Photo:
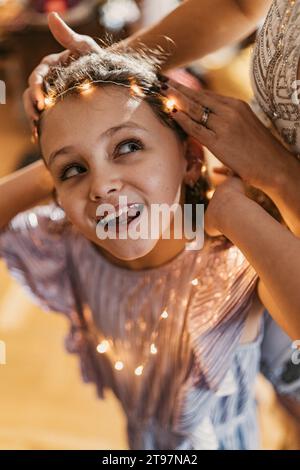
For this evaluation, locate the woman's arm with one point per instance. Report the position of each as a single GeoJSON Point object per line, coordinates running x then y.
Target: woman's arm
{"type": "Point", "coordinates": [236, 137]}
{"type": "Point", "coordinates": [197, 28]}
{"type": "Point", "coordinates": [283, 187]}
{"type": "Point", "coordinates": [271, 249]}
{"type": "Point", "coordinates": [23, 189]}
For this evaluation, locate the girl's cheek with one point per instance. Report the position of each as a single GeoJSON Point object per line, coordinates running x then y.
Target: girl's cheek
{"type": "Point", "coordinates": [68, 202]}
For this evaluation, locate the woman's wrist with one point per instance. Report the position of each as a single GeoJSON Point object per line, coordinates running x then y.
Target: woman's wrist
{"type": "Point", "coordinates": [287, 177]}
{"type": "Point", "coordinates": [281, 185]}
{"type": "Point", "coordinates": [280, 171]}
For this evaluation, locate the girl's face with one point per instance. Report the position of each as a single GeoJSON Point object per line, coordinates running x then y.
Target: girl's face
{"type": "Point", "coordinates": [106, 144]}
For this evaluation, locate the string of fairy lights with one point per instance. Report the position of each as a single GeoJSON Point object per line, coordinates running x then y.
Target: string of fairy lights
{"type": "Point", "coordinates": [106, 345]}
{"type": "Point", "coordinates": [87, 87]}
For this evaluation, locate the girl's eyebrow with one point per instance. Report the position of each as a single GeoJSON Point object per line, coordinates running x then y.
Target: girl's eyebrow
{"type": "Point", "coordinates": [108, 133]}
{"type": "Point", "coordinates": [125, 125]}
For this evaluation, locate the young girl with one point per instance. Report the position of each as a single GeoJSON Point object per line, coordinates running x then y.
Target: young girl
{"type": "Point", "coordinates": [173, 331]}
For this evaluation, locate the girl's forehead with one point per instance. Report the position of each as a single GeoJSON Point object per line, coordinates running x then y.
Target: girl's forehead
{"type": "Point", "coordinates": [106, 99]}
{"type": "Point", "coordinates": [104, 106]}
{"type": "Point", "coordinates": [82, 119]}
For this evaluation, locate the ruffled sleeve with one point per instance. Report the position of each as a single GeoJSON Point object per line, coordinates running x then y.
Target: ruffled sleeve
{"type": "Point", "coordinates": [220, 304]}
{"type": "Point", "coordinates": [33, 248]}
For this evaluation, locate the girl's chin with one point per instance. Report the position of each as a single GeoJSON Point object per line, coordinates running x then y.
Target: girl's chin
{"type": "Point", "coordinates": [128, 250]}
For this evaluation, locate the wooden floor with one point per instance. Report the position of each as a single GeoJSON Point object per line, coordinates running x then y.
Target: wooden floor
{"type": "Point", "coordinates": [43, 403]}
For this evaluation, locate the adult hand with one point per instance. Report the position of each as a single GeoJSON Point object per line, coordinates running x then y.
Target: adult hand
{"type": "Point", "coordinates": [232, 133]}
{"type": "Point", "coordinates": [75, 44]}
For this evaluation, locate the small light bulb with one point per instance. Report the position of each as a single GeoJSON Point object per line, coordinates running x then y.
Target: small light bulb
{"type": "Point", "coordinates": [119, 365]}
{"type": "Point", "coordinates": [137, 90]}
{"type": "Point", "coordinates": [164, 314]}
{"type": "Point", "coordinates": [195, 282]}
{"type": "Point", "coordinates": [85, 87]}
{"type": "Point", "coordinates": [103, 346]}
{"type": "Point", "coordinates": [170, 104]}
{"type": "Point", "coordinates": [49, 101]}
{"type": "Point", "coordinates": [139, 370]}
{"type": "Point", "coordinates": [153, 349]}
{"type": "Point", "coordinates": [210, 193]}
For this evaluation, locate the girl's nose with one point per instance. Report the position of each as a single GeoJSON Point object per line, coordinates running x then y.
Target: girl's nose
{"type": "Point", "coordinates": [100, 189]}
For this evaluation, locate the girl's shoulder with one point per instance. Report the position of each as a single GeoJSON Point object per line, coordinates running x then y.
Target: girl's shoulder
{"type": "Point", "coordinates": [33, 247]}
{"type": "Point", "coordinates": [222, 273]}
{"type": "Point", "coordinates": [48, 218]}
{"type": "Point", "coordinates": [222, 256]}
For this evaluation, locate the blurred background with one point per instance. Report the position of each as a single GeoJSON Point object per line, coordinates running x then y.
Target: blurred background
{"type": "Point", "coordinates": [43, 403]}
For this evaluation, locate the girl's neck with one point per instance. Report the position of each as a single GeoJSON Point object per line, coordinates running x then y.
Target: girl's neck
{"type": "Point", "coordinates": [163, 252]}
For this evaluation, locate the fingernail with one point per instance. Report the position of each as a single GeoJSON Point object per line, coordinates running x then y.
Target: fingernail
{"type": "Point", "coordinates": [155, 88]}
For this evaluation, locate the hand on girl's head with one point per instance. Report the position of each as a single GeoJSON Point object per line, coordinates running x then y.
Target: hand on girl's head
{"type": "Point", "coordinates": [75, 44]}
{"type": "Point", "coordinates": [104, 148]}
{"type": "Point", "coordinates": [104, 140]}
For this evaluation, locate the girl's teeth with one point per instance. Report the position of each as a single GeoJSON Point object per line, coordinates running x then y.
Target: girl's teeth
{"type": "Point", "coordinates": [135, 209]}
{"type": "Point", "coordinates": [123, 214]}
{"type": "Point", "coordinates": [111, 217]}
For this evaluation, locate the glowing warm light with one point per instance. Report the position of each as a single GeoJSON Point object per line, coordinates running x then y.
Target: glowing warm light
{"type": "Point", "coordinates": [170, 104]}
{"type": "Point", "coordinates": [119, 365]}
{"type": "Point", "coordinates": [137, 90]}
{"type": "Point", "coordinates": [139, 370]}
{"type": "Point", "coordinates": [164, 314]}
{"type": "Point", "coordinates": [210, 193]}
{"type": "Point", "coordinates": [203, 169]}
{"type": "Point", "coordinates": [195, 282]}
{"type": "Point", "coordinates": [103, 346]}
{"type": "Point", "coordinates": [49, 101]}
{"type": "Point", "coordinates": [153, 349]}
{"type": "Point", "coordinates": [85, 87]}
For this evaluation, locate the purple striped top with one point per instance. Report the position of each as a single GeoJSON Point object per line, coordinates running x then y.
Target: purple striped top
{"type": "Point", "coordinates": [196, 392]}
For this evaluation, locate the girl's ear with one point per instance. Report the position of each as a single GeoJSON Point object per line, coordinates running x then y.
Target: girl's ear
{"type": "Point", "coordinates": [194, 156]}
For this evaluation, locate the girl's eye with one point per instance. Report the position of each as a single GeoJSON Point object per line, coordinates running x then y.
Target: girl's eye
{"type": "Point", "coordinates": [129, 146]}
{"type": "Point", "coordinates": [70, 171]}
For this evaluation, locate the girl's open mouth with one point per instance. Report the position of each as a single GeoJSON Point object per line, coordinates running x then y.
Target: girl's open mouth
{"type": "Point", "coordinates": [120, 220]}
